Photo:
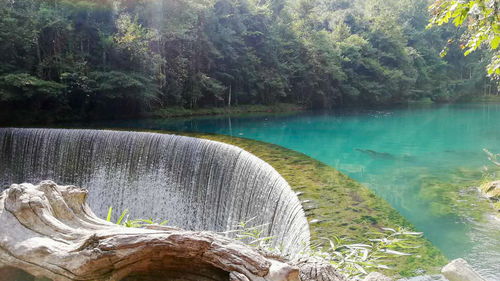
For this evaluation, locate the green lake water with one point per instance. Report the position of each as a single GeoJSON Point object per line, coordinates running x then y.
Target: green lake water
{"type": "Point", "coordinates": [423, 161]}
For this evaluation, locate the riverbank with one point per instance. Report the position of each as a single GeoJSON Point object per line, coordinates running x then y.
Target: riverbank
{"type": "Point", "coordinates": [482, 99]}
{"type": "Point", "coordinates": [170, 112]}
{"type": "Point", "coordinates": [26, 117]}
{"type": "Point", "coordinates": [173, 112]}
{"type": "Point", "coordinates": [336, 205]}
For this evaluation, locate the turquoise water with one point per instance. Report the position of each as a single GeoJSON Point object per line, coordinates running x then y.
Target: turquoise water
{"type": "Point", "coordinates": [423, 161]}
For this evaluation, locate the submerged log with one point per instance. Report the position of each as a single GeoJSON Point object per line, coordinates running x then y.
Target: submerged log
{"type": "Point", "coordinates": [49, 231]}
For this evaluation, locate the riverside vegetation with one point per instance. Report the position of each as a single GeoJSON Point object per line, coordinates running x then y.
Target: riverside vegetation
{"type": "Point", "coordinates": [354, 260]}
{"type": "Point", "coordinates": [95, 59]}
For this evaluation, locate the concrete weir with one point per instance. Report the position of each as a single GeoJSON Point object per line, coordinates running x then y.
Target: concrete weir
{"type": "Point", "coordinates": [193, 183]}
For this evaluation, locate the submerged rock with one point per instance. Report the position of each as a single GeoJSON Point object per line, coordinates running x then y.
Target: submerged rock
{"type": "Point", "coordinates": [491, 190]}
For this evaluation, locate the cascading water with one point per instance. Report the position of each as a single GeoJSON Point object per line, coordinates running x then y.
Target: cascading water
{"type": "Point", "coordinates": [194, 183]}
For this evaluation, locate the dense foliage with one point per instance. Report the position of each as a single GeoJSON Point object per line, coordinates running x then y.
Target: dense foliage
{"type": "Point", "coordinates": [63, 59]}
{"type": "Point", "coordinates": [482, 18]}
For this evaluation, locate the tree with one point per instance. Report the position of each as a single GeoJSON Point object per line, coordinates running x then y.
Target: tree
{"type": "Point", "coordinates": [482, 21]}
{"type": "Point", "coordinates": [126, 57]}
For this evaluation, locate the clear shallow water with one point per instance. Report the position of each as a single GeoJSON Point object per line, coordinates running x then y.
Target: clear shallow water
{"type": "Point", "coordinates": [421, 160]}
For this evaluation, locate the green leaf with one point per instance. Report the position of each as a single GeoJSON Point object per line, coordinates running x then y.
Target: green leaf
{"type": "Point", "coordinates": [495, 42]}
{"type": "Point", "coordinates": [393, 252]}
{"type": "Point", "coordinates": [122, 216]}
{"type": "Point", "coordinates": [110, 213]}
{"type": "Point", "coordinates": [388, 229]}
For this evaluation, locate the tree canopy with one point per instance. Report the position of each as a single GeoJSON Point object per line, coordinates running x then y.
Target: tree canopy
{"type": "Point", "coordinates": [66, 60]}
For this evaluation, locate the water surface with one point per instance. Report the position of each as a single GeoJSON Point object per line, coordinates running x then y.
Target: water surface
{"type": "Point", "coordinates": [423, 161]}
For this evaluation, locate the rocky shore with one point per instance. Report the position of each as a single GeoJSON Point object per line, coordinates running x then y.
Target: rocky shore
{"type": "Point", "coordinates": [456, 270]}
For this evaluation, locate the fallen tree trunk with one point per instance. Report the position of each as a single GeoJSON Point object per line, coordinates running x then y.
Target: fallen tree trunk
{"type": "Point", "coordinates": [49, 231]}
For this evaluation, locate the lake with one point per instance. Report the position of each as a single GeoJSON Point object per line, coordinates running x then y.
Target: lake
{"type": "Point", "coordinates": [423, 160]}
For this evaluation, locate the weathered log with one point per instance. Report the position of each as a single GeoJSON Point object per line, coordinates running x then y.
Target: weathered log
{"type": "Point", "coordinates": [49, 231]}
{"type": "Point", "coordinates": [316, 269]}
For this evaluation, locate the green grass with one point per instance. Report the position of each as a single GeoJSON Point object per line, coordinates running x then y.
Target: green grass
{"type": "Point", "coordinates": [344, 207]}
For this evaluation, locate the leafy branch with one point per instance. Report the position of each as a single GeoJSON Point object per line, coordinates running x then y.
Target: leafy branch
{"type": "Point", "coordinates": [482, 19]}
{"type": "Point", "coordinates": [358, 259]}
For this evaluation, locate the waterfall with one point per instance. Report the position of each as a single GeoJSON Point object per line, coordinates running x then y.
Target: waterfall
{"type": "Point", "coordinates": [193, 183]}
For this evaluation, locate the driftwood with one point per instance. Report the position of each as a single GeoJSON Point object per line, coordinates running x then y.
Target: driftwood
{"type": "Point", "coordinates": [49, 231]}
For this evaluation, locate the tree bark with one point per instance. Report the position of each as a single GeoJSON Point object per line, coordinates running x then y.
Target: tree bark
{"type": "Point", "coordinates": [49, 231]}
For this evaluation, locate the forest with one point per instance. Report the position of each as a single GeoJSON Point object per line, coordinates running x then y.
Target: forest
{"type": "Point", "coordinates": [64, 60]}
